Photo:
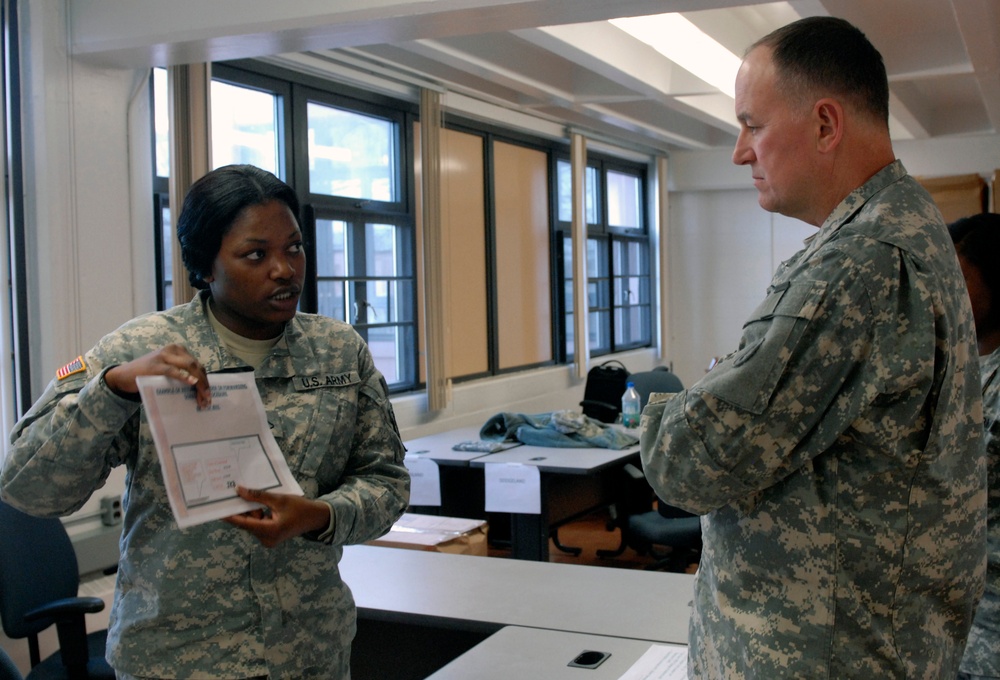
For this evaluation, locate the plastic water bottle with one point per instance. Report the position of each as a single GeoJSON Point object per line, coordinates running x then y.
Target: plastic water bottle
{"type": "Point", "coordinates": [631, 403]}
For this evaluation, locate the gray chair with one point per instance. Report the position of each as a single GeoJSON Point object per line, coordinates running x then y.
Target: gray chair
{"type": "Point", "coordinates": [39, 580]}
{"type": "Point", "coordinates": [8, 671]}
{"type": "Point", "coordinates": [670, 535]}
{"type": "Point", "coordinates": [660, 379]}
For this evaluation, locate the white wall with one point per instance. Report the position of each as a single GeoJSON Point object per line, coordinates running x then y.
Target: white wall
{"type": "Point", "coordinates": [78, 196]}
{"type": "Point", "coordinates": [723, 250]}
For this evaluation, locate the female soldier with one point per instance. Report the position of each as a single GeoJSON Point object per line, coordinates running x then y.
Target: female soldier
{"type": "Point", "coordinates": [259, 595]}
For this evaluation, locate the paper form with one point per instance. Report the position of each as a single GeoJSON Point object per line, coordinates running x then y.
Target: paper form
{"type": "Point", "coordinates": [660, 662]}
{"type": "Point", "coordinates": [205, 454]}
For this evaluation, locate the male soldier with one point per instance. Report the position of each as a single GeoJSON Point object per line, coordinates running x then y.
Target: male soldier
{"type": "Point", "coordinates": [836, 455]}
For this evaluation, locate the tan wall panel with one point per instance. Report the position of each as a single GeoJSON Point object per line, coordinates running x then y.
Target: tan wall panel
{"type": "Point", "coordinates": [418, 244]}
{"type": "Point", "coordinates": [463, 214]}
{"type": "Point", "coordinates": [524, 306]}
{"type": "Point", "coordinates": [463, 210]}
{"type": "Point", "coordinates": [957, 196]}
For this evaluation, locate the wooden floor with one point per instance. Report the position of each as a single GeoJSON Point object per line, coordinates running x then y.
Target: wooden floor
{"type": "Point", "coordinates": [591, 534]}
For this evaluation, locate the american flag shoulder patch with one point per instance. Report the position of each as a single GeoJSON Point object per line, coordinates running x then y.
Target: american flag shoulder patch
{"type": "Point", "coordinates": [75, 366]}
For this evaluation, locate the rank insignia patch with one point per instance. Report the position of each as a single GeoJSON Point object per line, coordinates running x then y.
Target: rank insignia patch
{"type": "Point", "coordinates": [75, 366]}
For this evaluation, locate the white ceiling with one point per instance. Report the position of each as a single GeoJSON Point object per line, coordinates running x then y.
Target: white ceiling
{"type": "Point", "coordinates": [942, 56]}
{"type": "Point", "coordinates": [561, 60]}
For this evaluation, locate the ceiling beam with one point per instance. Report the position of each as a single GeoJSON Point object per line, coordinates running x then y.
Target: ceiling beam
{"type": "Point", "coordinates": [142, 33]}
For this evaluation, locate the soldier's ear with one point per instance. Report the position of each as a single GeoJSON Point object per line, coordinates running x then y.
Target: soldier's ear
{"type": "Point", "coordinates": [828, 115]}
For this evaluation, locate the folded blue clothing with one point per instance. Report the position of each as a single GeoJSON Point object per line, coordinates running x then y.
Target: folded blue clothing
{"type": "Point", "coordinates": [484, 446]}
{"type": "Point", "coordinates": [569, 429]}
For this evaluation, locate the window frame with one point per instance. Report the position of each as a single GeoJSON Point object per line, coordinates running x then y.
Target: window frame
{"type": "Point", "coordinates": [605, 236]}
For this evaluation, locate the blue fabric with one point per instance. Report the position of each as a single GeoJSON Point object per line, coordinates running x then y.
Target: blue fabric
{"type": "Point", "coordinates": [563, 429]}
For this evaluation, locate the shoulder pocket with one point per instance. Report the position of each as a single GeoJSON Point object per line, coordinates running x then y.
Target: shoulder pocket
{"type": "Point", "coordinates": [747, 378]}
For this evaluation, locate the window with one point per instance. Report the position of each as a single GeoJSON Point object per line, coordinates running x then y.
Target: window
{"type": "Point", "coordinates": [564, 187]}
{"type": "Point", "coordinates": [351, 154]}
{"type": "Point", "coordinates": [619, 282]}
{"type": "Point", "coordinates": [632, 294]}
{"type": "Point", "coordinates": [359, 210]}
{"type": "Point", "coordinates": [245, 127]}
{"type": "Point", "coordinates": [162, 224]}
{"type": "Point", "coordinates": [345, 164]}
{"type": "Point", "coordinates": [364, 277]}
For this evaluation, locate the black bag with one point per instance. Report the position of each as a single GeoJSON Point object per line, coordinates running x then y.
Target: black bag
{"type": "Point", "coordinates": [602, 396]}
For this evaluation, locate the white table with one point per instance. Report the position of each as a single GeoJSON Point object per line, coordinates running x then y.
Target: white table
{"type": "Point", "coordinates": [462, 490]}
{"type": "Point", "coordinates": [487, 593]}
{"type": "Point", "coordinates": [534, 654]}
{"type": "Point", "coordinates": [438, 446]}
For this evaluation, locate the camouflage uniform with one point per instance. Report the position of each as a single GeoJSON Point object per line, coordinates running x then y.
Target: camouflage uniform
{"type": "Point", "coordinates": [836, 458]}
{"type": "Point", "coordinates": [210, 601]}
{"type": "Point", "coordinates": [982, 655]}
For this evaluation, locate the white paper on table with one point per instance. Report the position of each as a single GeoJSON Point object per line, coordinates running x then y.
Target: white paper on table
{"type": "Point", "coordinates": [205, 454]}
{"type": "Point", "coordinates": [660, 662]}
{"type": "Point", "coordinates": [513, 487]}
{"type": "Point", "coordinates": [425, 480]}
{"type": "Point", "coordinates": [415, 522]}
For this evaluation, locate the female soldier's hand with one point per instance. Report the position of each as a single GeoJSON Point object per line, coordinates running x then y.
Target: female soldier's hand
{"type": "Point", "coordinates": [285, 516]}
{"type": "Point", "coordinates": [173, 361]}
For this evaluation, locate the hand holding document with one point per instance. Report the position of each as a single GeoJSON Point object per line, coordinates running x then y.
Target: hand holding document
{"type": "Point", "coordinates": [205, 454]}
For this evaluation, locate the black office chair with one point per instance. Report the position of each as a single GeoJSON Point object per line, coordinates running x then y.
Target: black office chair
{"type": "Point", "coordinates": [644, 527]}
{"type": "Point", "coordinates": [39, 580]}
{"type": "Point", "coordinates": [8, 671]}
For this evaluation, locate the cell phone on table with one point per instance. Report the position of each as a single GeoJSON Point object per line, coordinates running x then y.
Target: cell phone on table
{"type": "Point", "coordinates": [589, 659]}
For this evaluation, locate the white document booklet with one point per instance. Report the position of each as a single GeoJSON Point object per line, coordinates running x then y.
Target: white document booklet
{"type": "Point", "coordinates": [206, 454]}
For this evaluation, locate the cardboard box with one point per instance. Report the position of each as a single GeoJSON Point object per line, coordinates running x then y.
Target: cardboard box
{"type": "Point", "coordinates": [439, 534]}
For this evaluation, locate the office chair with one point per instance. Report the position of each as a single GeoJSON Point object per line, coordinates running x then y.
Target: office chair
{"type": "Point", "coordinates": [8, 671]}
{"type": "Point", "coordinates": [642, 526]}
{"type": "Point", "coordinates": [39, 579]}
{"type": "Point", "coordinates": [660, 379]}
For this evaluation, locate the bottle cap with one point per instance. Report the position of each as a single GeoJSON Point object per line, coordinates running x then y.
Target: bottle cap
{"type": "Point", "coordinates": [629, 384]}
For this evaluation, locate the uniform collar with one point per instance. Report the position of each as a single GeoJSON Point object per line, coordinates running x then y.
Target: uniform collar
{"type": "Point", "coordinates": [287, 359]}
{"type": "Point", "coordinates": [853, 202]}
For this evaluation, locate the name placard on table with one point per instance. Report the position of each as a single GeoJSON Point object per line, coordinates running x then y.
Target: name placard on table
{"type": "Point", "coordinates": [513, 487]}
{"type": "Point", "coordinates": [425, 480]}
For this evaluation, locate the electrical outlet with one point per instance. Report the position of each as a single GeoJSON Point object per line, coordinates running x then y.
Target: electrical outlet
{"type": "Point", "coordinates": [111, 511]}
